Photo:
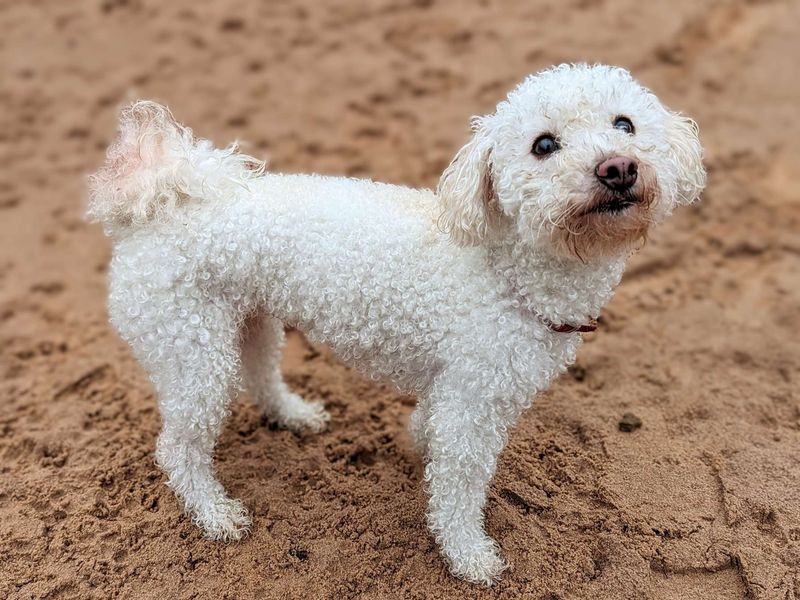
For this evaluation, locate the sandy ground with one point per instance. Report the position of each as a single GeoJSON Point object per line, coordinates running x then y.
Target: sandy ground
{"type": "Point", "coordinates": [701, 341]}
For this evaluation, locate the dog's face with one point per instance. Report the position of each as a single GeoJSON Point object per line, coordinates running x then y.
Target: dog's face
{"type": "Point", "coordinates": [579, 161]}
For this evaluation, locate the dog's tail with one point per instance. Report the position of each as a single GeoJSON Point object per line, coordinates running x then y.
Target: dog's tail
{"type": "Point", "coordinates": [156, 165]}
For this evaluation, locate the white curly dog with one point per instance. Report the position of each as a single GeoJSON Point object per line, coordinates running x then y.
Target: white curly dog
{"type": "Point", "coordinates": [471, 297]}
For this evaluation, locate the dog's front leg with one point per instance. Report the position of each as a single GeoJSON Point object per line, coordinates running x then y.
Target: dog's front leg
{"type": "Point", "coordinates": [465, 432]}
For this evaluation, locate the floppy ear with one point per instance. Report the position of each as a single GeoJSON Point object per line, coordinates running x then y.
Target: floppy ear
{"type": "Point", "coordinates": [682, 135]}
{"type": "Point", "coordinates": [466, 192]}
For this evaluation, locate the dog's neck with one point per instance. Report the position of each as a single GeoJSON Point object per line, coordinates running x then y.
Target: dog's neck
{"type": "Point", "coordinates": [557, 290]}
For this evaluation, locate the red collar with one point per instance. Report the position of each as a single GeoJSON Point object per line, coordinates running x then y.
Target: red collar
{"type": "Point", "coordinates": [567, 328]}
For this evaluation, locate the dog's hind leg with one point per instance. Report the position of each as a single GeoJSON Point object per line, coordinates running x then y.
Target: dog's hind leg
{"type": "Point", "coordinates": [194, 364]}
{"type": "Point", "coordinates": [262, 343]}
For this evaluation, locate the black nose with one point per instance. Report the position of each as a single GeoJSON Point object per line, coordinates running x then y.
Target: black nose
{"type": "Point", "coordinates": [618, 173]}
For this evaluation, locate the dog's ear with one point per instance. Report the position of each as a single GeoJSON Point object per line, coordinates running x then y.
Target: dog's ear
{"type": "Point", "coordinates": [466, 193]}
{"type": "Point", "coordinates": [684, 141]}
{"type": "Point", "coordinates": [143, 168]}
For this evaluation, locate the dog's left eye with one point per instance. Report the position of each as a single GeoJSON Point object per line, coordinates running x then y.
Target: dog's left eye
{"type": "Point", "coordinates": [624, 124]}
{"type": "Point", "coordinates": [544, 145]}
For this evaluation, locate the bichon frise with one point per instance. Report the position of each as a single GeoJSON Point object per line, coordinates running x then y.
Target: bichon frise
{"type": "Point", "coordinates": [471, 297]}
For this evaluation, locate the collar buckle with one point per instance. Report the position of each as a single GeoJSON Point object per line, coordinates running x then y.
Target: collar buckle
{"type": "Point", "coordinates": [567, 328]}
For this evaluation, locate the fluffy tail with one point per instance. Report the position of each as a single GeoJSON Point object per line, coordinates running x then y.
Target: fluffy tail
{"type": "Point", "coordinates": [156, 165]}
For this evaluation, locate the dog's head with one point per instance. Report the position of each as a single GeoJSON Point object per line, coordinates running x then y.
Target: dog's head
{"type": "Point", "coordinates": [578, 161]}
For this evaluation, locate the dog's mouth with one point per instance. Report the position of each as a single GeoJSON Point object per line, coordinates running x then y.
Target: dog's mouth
{"type": "Point", "coordinates": [612, 203]}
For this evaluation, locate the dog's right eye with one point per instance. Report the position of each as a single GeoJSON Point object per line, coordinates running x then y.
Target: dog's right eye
{"type": "Point", "coordinates": [544, 145]}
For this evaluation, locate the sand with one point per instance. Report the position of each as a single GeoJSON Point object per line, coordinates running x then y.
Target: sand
{"type": "Point", "coordinates": [700, 344]}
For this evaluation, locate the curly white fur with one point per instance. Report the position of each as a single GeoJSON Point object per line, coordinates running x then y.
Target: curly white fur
{"type": "Point", "coordinates": [212, 258]}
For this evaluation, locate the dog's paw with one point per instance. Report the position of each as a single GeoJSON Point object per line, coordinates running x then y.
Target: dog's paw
{"type": "Point", "coordinates": [298, 415]}
{"type": "Point", "coordinates": [225, 520]}
{"type": "Point", "coordinates": [480, 563]}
